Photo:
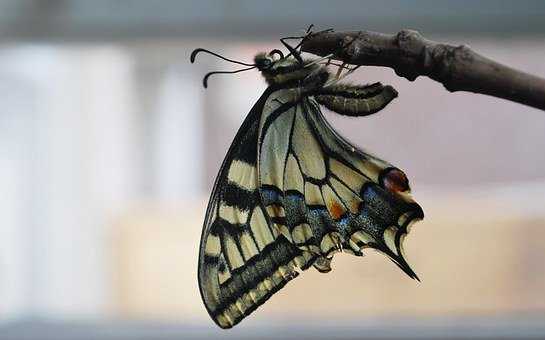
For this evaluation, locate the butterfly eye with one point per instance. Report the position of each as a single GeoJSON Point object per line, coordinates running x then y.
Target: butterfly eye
{"type": "Point", "coordinates": [263, 63]}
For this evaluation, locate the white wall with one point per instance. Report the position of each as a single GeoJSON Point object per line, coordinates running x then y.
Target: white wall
{"type": "Point", "coordinates": [88, 132]}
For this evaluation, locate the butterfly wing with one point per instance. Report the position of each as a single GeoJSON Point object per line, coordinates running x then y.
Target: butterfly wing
{"type": "Point", "coordinates": [242, 259]}
{"type": "Point", "coordinates": [324, 195]}
{"type": "Point", "coordinates": [289, 194]}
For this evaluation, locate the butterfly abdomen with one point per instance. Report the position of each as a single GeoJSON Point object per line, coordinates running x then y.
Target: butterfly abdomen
{"type": "Point", "coordinates": [356, 100]}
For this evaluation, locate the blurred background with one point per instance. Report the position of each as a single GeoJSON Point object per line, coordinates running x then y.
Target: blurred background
{"type": "Point", "coordinates": [109, 147]}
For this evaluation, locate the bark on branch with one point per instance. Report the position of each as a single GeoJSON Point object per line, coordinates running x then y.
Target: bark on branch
{"type": "Point", "coordinates": [458, 68]}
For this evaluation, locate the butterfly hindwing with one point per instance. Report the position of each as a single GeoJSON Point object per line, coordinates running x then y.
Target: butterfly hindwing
{"type": "Point", "coordinates": [323, 194]}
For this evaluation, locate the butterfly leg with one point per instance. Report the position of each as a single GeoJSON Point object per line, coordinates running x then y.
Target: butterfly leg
{"type": "Point", "coordinates": [295, 51]}
{"type": "Point", "coordinates": [356, 101]}
{"type": "Point", "coordinates": [339, 71]}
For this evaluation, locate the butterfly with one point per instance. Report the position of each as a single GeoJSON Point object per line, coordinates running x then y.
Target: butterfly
{"type": "Point", "coordinates": [292, 191]}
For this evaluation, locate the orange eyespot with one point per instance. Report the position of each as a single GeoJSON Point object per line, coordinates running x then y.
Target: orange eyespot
{"type": "Point", "coordinates": [395, 180]}
{"type": "Point", "coordinates": [335, 210]}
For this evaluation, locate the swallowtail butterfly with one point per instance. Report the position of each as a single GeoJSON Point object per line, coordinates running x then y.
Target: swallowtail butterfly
{"type": "Point", "coordinates": [292, 192]}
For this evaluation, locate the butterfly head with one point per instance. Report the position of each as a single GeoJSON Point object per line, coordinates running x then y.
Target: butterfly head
{"type": "Point", "coordinates": [279, 69]}
{"type": "Point", "coordinates": [275, 67]}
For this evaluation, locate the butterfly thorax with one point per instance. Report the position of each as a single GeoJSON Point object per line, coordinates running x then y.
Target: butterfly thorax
{"type": "Point", "coordinates": [289, 72]}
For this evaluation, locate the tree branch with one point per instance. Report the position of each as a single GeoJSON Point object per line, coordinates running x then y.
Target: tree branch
{"type": "Point", "coordinates": [458, 68]}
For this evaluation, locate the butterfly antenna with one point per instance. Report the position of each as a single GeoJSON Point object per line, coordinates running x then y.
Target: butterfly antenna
{"type": "Point", "coordinates": [198, 50]}
{"type": "Point", "coordinates": [205, 79]}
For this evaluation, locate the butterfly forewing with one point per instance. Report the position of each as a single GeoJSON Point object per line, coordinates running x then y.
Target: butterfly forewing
{"type": "Point", "coordinates": [242, 260]}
